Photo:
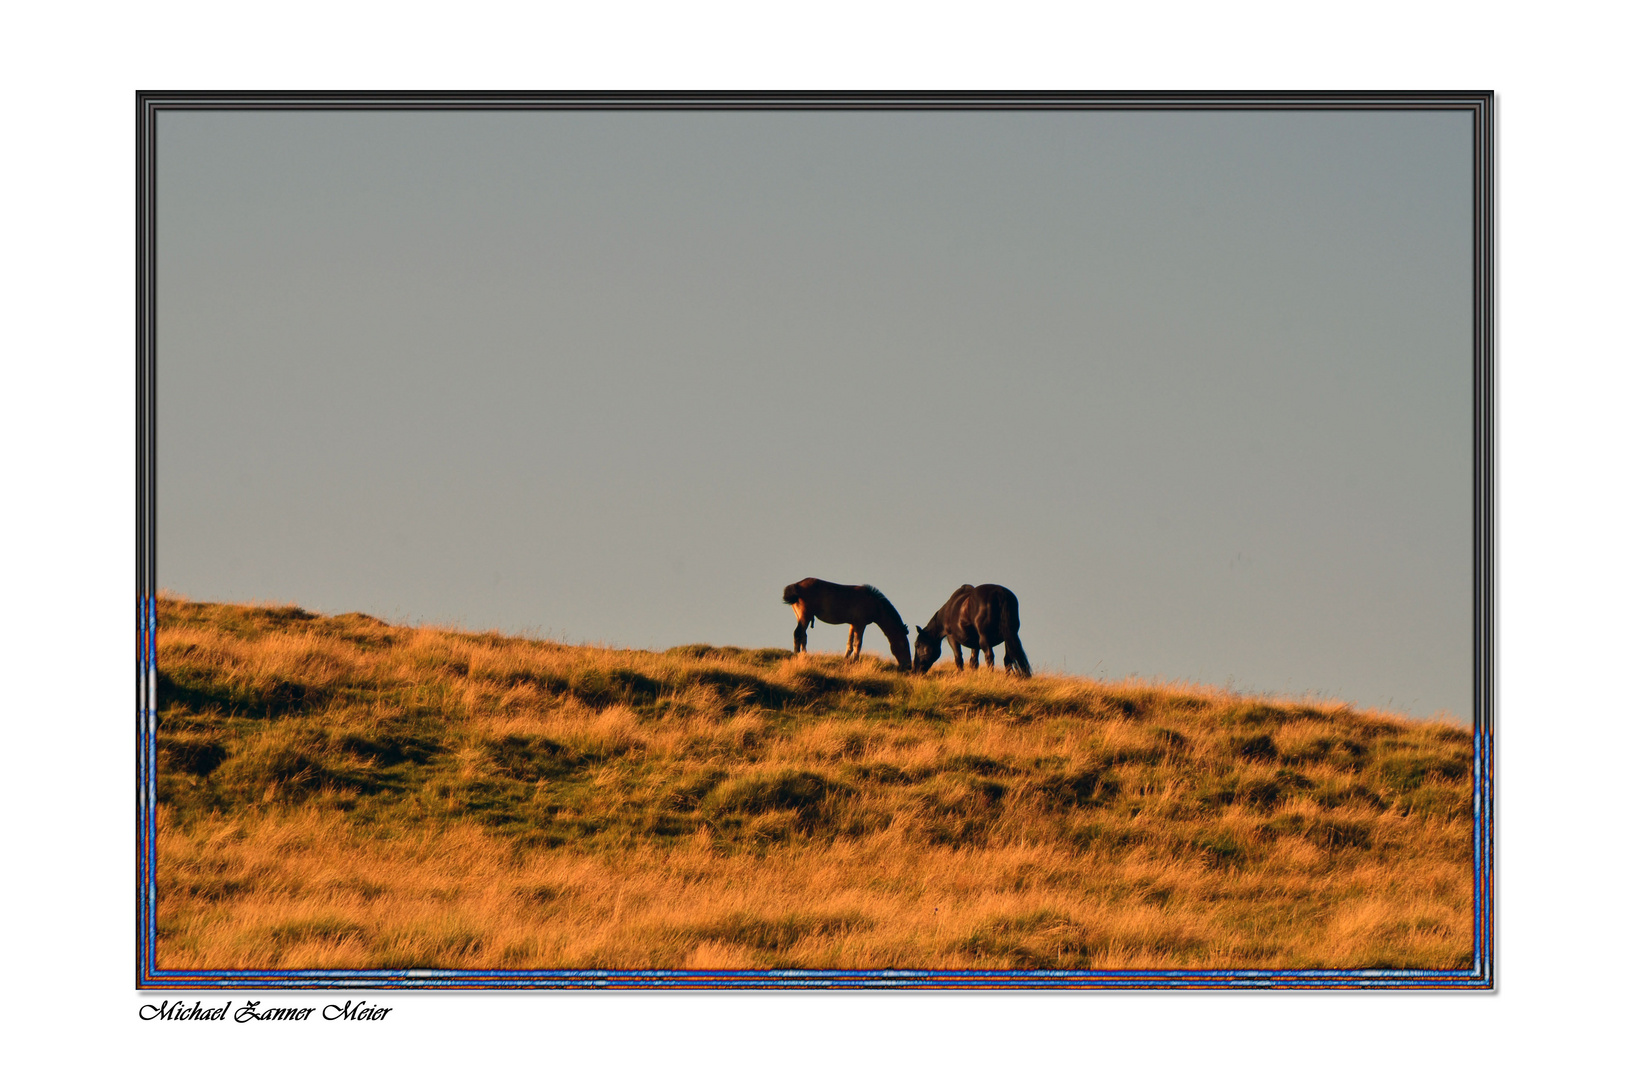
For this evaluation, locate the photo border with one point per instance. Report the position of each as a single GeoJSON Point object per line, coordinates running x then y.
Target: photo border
{"type": "Point", "coordinates": [1478, 976]}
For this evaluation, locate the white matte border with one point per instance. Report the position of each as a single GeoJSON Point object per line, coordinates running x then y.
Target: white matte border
{"type": "Point", "coordinates": [68, 184]}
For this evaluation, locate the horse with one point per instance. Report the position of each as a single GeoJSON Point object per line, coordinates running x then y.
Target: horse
{"type": "Point", "coordinates": [856, 605]}
{"type": "Point", "coordinates": [978, 618]}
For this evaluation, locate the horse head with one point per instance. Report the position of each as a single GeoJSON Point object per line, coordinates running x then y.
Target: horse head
{"type": "Point", "coordinates": [900, 646]}
{"type": "Point", "coordinates": [928, 649]}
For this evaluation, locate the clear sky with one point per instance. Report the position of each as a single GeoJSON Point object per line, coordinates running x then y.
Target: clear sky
{"type": "Point", "coordinates": [1196, 386]}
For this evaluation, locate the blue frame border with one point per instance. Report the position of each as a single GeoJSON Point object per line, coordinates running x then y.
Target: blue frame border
{"type": "Point", "coordinates": [1479, 976]}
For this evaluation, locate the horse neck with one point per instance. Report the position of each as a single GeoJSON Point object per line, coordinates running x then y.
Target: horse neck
{"type": "Point", "coordinates": [935, 627]}
{"type": "Point", "coordinates": [899, 641]}
{"type": "Point", "coordinates": [888, 620]}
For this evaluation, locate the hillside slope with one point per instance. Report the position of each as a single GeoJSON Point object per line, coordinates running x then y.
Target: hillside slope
{"type": "Point", "coordinates": [338, 792]}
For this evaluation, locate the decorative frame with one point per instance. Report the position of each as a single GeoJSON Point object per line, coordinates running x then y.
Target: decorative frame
{"type": "Point", "coordinates": [1478, 976]}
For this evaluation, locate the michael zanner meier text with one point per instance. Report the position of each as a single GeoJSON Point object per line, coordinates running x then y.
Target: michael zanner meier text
{"type": "Point", "coordinates": [180, 1010]}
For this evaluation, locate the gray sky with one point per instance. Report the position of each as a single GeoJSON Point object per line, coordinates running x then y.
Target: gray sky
{"type": "Point", "coordinates": [1196, 386]}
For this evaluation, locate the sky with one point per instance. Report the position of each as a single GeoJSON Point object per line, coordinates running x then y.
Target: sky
{"type": "Point", "coordinates": [1196, 386]}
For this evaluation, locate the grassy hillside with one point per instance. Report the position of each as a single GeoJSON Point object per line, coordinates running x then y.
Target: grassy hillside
{"type": "Point", "coordinates": [338, 792]}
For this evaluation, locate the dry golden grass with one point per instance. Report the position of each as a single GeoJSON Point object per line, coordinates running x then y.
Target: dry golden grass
{"type": "Point", "coordinates": [339, 793]}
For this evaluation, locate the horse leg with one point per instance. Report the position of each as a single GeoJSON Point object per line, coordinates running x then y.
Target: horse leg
{"type": "Point", "coordinates": [855, 634]}
{"type": "Point", "coordinates": [982, 644]}
{"type": "Point", "coordinates": [956, 654]}
{"type": "Point", "coordinates": [800, 639]}
{"type": "Point", "coordinates": [973, 655]}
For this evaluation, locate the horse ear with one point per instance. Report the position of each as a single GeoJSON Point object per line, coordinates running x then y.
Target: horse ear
{"type": "Point", "coordinates": [919, 629]}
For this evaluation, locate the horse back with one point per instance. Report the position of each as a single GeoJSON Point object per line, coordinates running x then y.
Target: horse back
{"type": "Point", "coordinates": [834, 603]}
{"type": "Point", "coordinates": [1001, 604]}
{"type": "Point", "coordinates": [993, 610]}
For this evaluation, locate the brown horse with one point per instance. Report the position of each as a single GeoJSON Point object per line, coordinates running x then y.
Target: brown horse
{"type": "Point", "coordinates": [856, 605]}
{"type": "Point", "coordinates": [980, 619]}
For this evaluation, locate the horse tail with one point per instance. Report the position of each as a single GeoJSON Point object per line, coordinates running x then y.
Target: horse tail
{"type": "Point", "coordinates": [1009, 626]}
{"type": "Point", "coordinates": [1016, 655]}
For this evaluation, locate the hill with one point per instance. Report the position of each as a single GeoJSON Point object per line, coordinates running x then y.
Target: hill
{"type": "Point", "coordinates": [339, 792]}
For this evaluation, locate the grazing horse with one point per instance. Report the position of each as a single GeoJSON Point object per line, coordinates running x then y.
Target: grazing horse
{"type": "Point", "coordinates": [978, 618]}
{"type": "Point", "coordinates": [856, 605]}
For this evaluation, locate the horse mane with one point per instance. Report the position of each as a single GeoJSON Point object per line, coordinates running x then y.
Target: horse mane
{"type": "Point", "coordinates": [899, 623]}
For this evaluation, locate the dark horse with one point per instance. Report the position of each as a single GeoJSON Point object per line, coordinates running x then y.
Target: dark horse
{"type": "Point", "coordinates": [978, 618]}
{"type": "Point", "coordinates": [856, 605]}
